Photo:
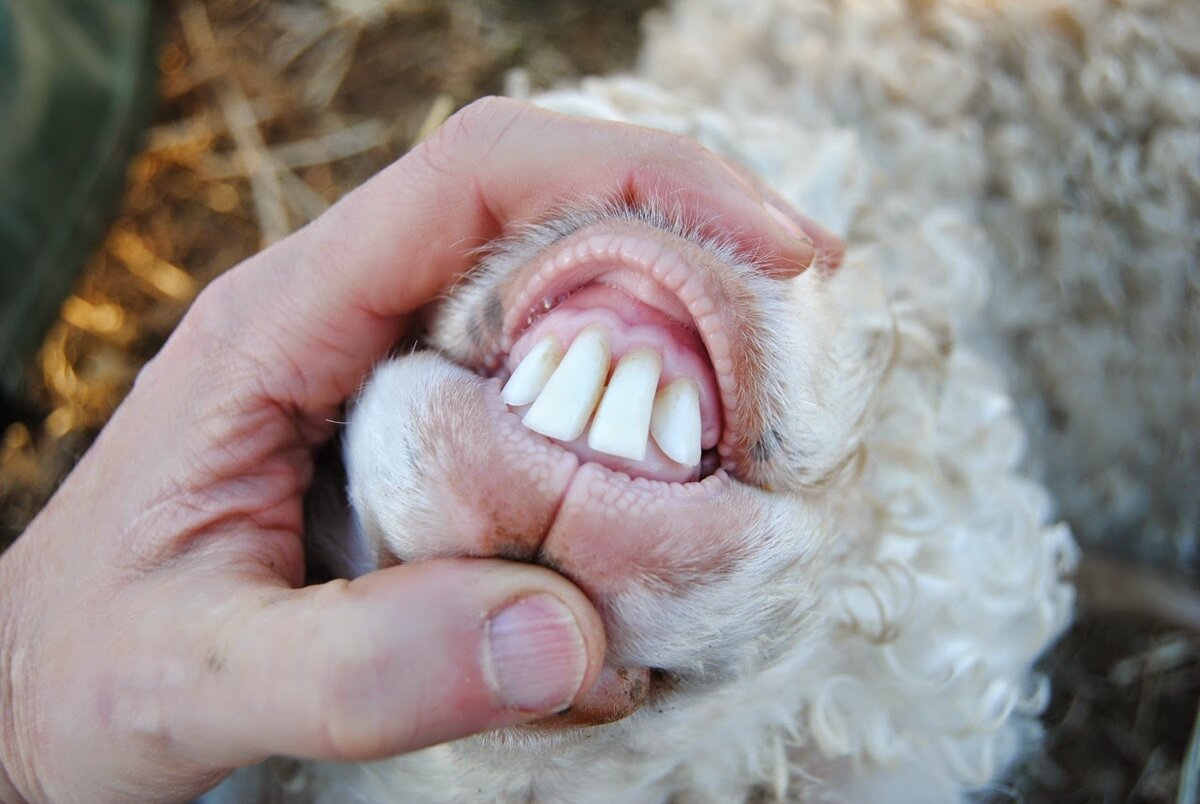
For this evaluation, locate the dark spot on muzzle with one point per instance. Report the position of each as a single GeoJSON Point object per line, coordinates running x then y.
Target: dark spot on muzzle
{"type": "Point", "coordinates": [493, 315]}
{"type": "Point", "coordinates": [766, 446]}
{"type": "Point", "coordinates": [484, 327]}
{"type": "Point", "coordinates": [512, 546]}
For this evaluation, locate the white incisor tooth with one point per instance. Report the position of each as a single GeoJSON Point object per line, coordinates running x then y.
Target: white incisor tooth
{"type": "Point", "coordinates": [530, 376]}
{"type": "Point", "coordinates": [675, 423]}
{"type": "Point", "coordinates": [622, 424]}
{"type": "Point", "coordinates": [566, 403]}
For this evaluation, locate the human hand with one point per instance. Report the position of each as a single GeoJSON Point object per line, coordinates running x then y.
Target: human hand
{"type": "Point", "coordinates": [154, 631]}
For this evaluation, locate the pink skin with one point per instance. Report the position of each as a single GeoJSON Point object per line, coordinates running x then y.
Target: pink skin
{"type": "Point", "coordinates": [154, 630]}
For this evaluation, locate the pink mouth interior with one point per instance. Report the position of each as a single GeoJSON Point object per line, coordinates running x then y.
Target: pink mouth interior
{"type": "Point", "coordinates": [635, 312]}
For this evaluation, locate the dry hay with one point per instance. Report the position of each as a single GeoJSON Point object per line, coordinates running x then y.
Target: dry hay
{"type": "Point", "coordinates": [270, 111]}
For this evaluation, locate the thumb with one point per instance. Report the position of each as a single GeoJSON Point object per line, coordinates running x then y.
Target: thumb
{"type": "Point", "coordinates": [396, 660]}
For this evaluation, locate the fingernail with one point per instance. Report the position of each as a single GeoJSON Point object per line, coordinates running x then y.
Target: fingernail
{"type": "Point", "coordinates": [537, 657]}
{"type": "Point", "coordinates": [789, 225]}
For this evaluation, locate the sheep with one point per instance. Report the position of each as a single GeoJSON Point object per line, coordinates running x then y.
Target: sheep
{"type": "Point", "coordinates": [1016, 185]}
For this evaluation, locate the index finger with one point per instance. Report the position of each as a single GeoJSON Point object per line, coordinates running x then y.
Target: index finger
{"type": "Point", "coordinates": [394, 243]}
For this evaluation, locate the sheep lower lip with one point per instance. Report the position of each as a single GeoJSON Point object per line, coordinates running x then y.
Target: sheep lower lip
{"type": "Point", "coordinates": [643, 373]}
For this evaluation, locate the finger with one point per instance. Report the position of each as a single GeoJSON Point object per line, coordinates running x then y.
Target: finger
{"type": "Point", "coordinates": [499, 161]}
{"type": "Point", "coordinates": [394, 661]}
{"type": "Point", "coordinates": [340, 286]}
{"type": "Point", "coordinates": [830, 248]}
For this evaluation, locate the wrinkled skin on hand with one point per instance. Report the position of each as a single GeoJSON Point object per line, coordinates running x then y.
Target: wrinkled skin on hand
{"type": "Point", "coordinates": [154, 630]}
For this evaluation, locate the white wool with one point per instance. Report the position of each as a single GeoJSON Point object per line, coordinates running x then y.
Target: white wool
{"type": "Point", "coordinates": [1069, 131]}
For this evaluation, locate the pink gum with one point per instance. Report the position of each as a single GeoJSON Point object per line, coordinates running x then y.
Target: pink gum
{"type": "Point", "coordinates": [602, 252]}
{"type": "Point", "coordinates": [626, 249]}
{"type": "Point", "coordinates": [679, 359]}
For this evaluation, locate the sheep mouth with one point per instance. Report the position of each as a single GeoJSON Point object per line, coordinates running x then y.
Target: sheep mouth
{"type": "Point", "coordinates": [643, 517]}
{"type": "Point", "coordinates": [614, 348]}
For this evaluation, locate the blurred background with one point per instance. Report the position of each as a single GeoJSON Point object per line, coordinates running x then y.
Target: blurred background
{"type": "Point", "coordinates": [144, 150]}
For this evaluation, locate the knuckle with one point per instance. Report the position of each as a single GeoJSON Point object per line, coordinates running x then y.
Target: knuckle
{"type": "Point", "coordinates": [471, 132]}
{"type": "Point", "coordinates": [346, 737]}
{"type": "Point", "coordinates": [213, 315]}
{"type": "Point", "coordinates": [725, 172]}
{"type": "Point", "coordinates": [352, 718]}
{"type": "Point", "coordinates": [483, 110]}
{"type": "Point", "coordinates": [669, 155]}
{"type": "Point", "coordinates": [686, 149]}
{"type": "Point", "coordinates": [196, 337]}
